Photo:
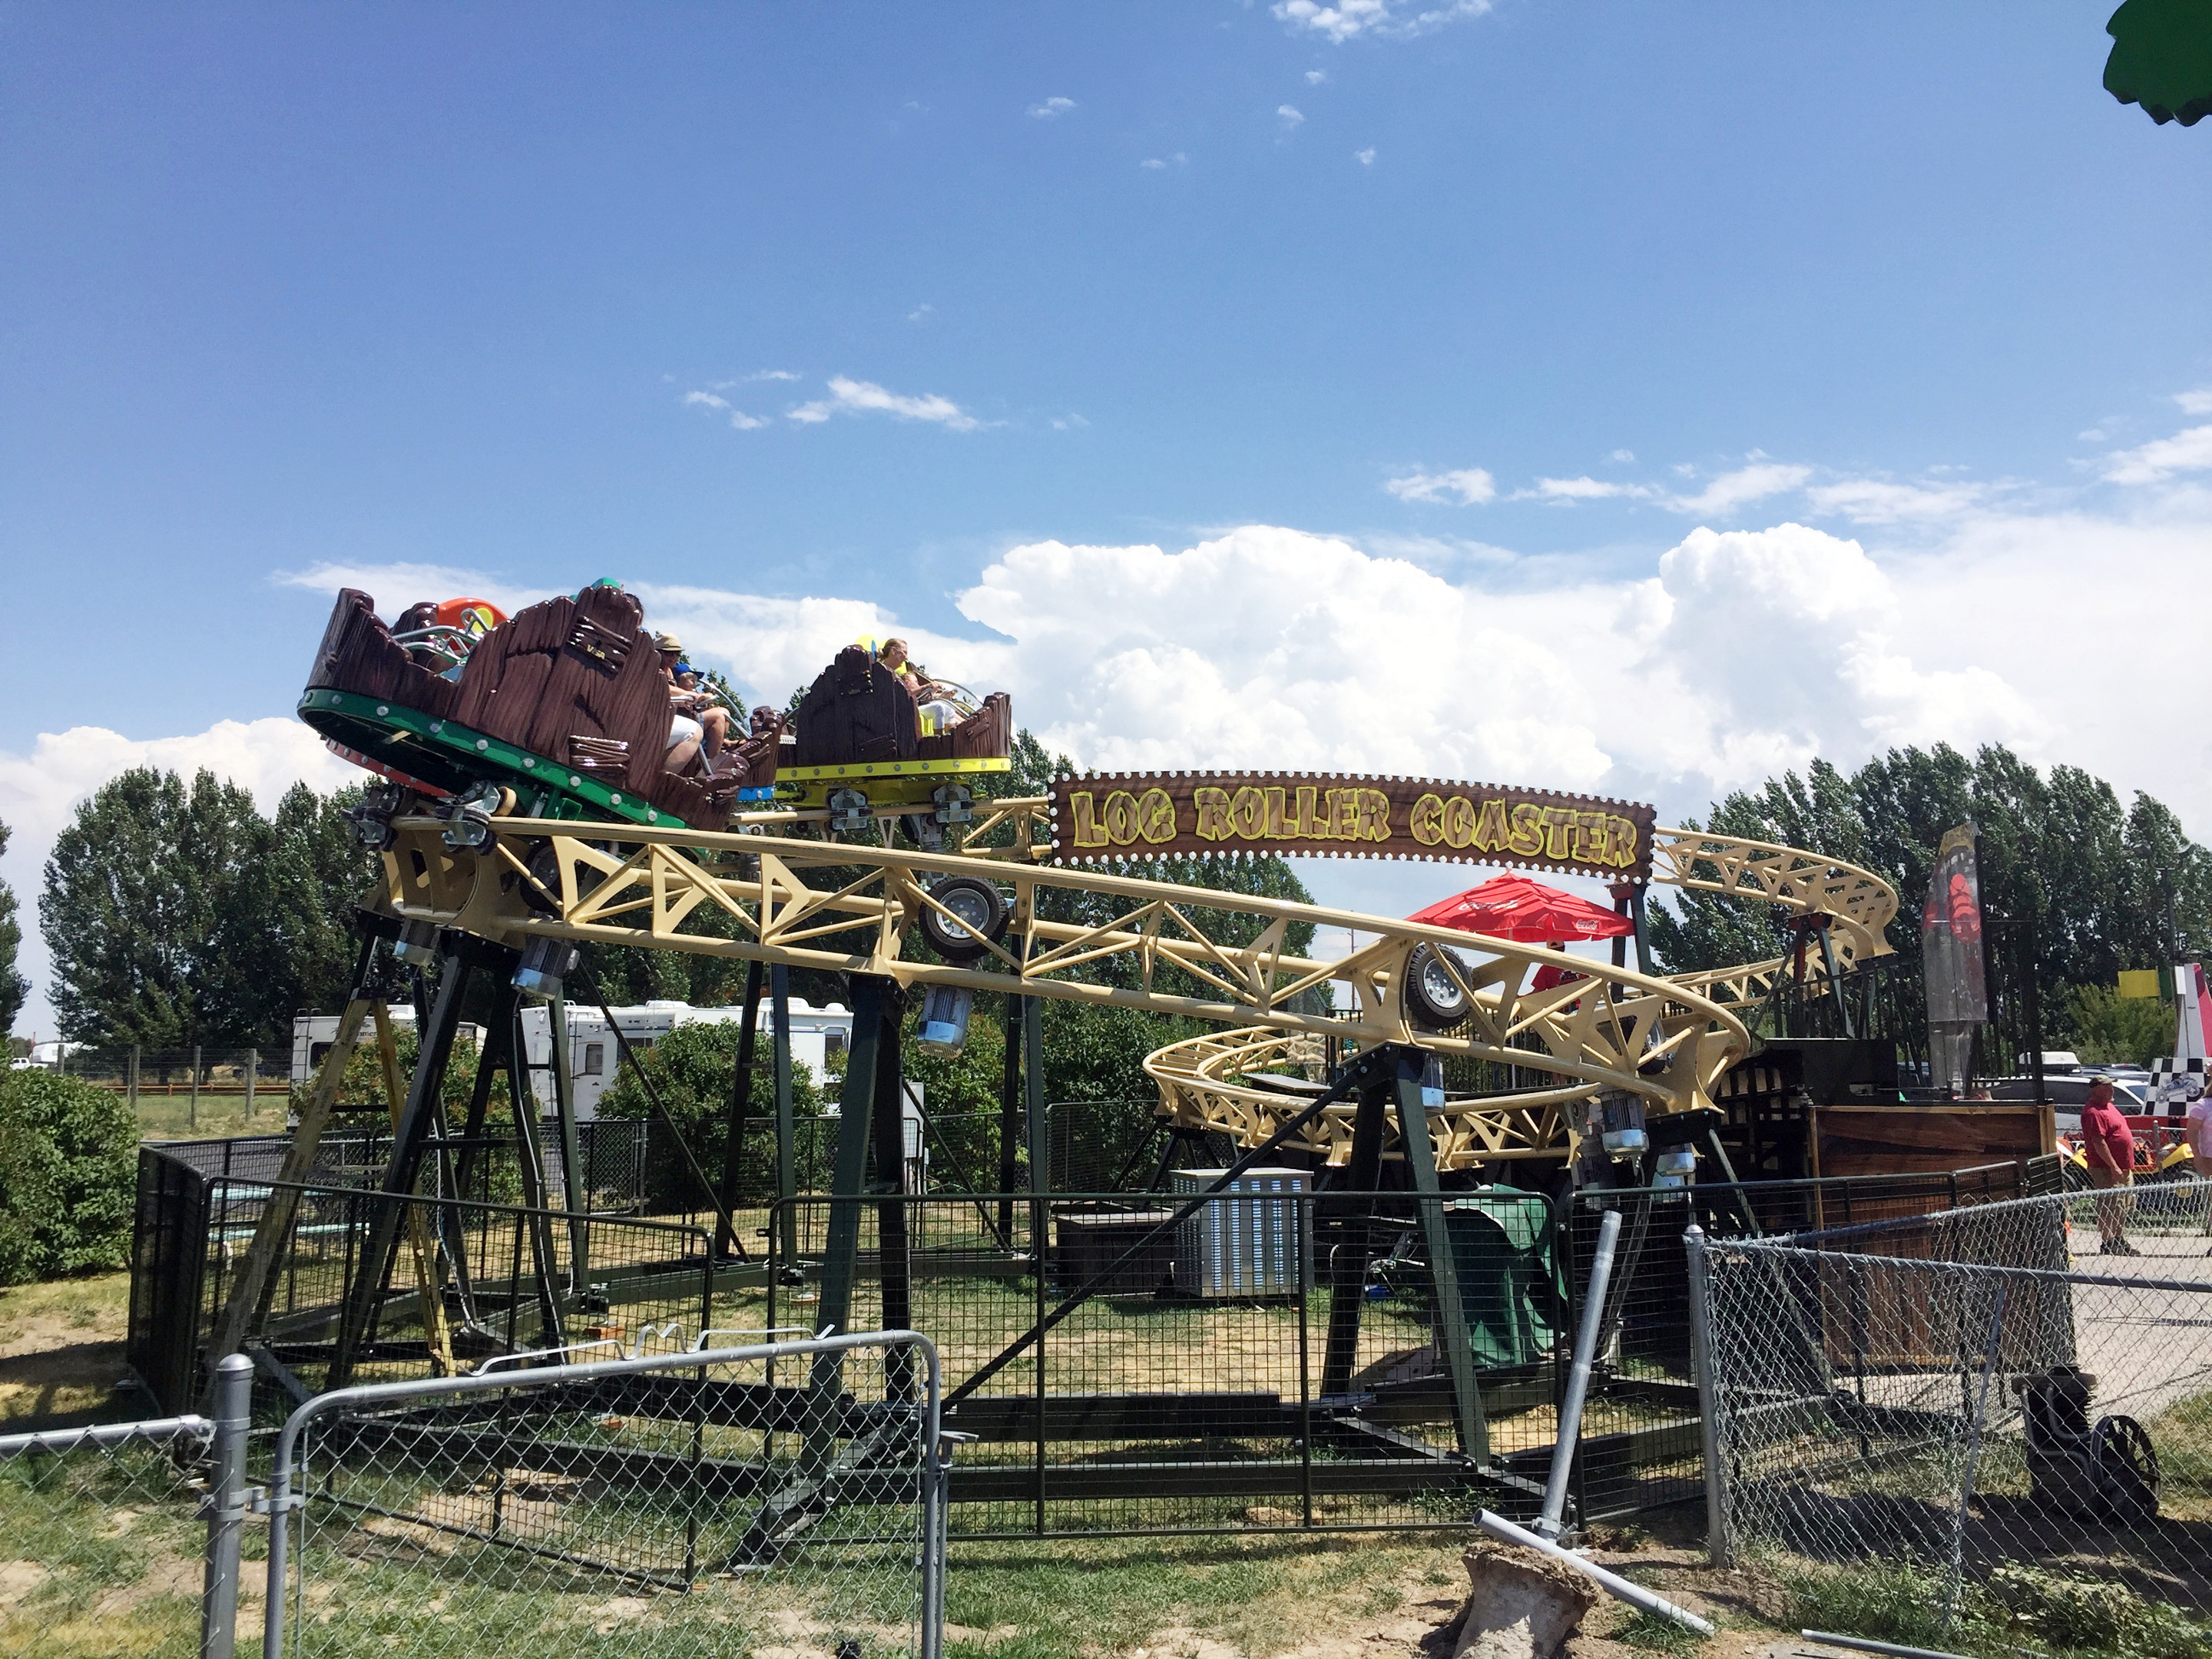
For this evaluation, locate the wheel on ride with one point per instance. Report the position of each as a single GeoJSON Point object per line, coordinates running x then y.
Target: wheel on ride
{"type": "Point", "coordinates": [1434, 999]}
{"type": "Point", "coordinates": [978, 915]}
{"type": "Point", "coordinates": [2126, 1465]}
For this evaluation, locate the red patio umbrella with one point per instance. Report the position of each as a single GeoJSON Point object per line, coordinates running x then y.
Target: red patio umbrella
{"type": "Point", "coordinates": [1515, 908]}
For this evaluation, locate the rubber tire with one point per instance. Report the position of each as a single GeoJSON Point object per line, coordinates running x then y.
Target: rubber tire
{"type": "Point", "coordinates": [1434, 1002]}
{"type": "Point", "coordinates": [967, 896]}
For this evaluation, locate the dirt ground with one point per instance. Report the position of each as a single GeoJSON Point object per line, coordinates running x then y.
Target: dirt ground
{"type": "Point", "coordinates": [61, 1349]}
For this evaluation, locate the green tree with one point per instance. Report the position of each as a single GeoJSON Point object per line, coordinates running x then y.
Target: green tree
{"type": "Point", "coordinates": [2104, 1028]}
{"type": "Point", "coordinates": [2097, 887]}
{"type": "Point", "coordinates": [14, 987]}
{"type": "Point", "coordinates": [178, 914]}
{"type": "Point", "coordinates": [137, 892]}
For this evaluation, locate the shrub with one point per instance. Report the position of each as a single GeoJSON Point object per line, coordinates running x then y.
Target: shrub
{"type": "Point", "coordinates": [694, 1069]}
{"type": "Point", "coordinates": [69, 1176]}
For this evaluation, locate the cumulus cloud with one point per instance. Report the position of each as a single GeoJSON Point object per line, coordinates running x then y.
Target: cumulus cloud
{"type": "Point", "coordinates": [1290, 115]}
{"type": "Point", "coordinates": [745, 422]}
{"type": "Point", "coordinates": [1315, 77]}
{"type": "Point", "coordinates": [774, 374]}
{"type": "Point", "coordinates": [1364, 157]}
{"type": "Point", "coordinates": [2187, 451]}
{"type": "Point", "coordinates": [704, 400]}
{"type": "Point", "coordinates": [1389, 19]}
{"type": "Point", "coordinates": [1052, 109]}
{"type": "Point", "coordinates": [2194, 403]}
{"type": "Point", "coordinates": [850, 397]}
{"type": "Point", "coordinates": [1734, 655]}
{"type": "Point", "coordinates": [1470, 487]}
{"type": "Point", "coordinates": [39, 791]}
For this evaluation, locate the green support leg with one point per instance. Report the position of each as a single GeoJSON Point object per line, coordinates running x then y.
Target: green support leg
{"type": "Point", "coordinates": [1451, 1312]}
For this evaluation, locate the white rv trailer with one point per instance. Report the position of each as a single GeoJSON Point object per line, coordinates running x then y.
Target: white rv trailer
{"type": "Point", "coordinates": [595, 1058]}
{"type": "Point", "coordinates": [314, 1034]}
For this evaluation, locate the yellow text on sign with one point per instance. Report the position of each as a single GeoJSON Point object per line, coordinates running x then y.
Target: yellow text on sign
{"type": "Point", "coordinates": [1560, 834]}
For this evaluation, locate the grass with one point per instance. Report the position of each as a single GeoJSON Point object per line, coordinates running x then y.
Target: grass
{"type": "Point", "coordinates": [2018, 1610]}
{"type": "Point", "coordinates": [61, 1351]}
{"type": "Point", "coordinates": [1079, 1598]}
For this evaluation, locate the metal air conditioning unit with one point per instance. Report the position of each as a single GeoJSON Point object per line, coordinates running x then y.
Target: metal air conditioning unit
{"type": "Point", "coordinates": [1250, 1241]}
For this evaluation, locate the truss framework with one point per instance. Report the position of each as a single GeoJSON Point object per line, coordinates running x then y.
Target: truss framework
{"type": "Point", "coordinates": [1163, 948]}
{"type": "Point", "coordinates": [1166, 949]}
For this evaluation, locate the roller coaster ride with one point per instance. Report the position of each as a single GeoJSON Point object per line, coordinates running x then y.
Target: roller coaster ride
{"type": "Point", "coordinates": [525, 810]}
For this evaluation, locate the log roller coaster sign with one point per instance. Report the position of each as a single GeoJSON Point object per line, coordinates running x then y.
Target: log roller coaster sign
{"type": "Point", "coordinates": [1330, 815]}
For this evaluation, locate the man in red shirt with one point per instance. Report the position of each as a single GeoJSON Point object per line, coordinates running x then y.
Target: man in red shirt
{"type": "Point", "coordinates": [2110, 1147]}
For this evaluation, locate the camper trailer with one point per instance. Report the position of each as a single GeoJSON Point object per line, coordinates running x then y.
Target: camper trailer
{"type": "Point", "coordinates": [595, 1056]}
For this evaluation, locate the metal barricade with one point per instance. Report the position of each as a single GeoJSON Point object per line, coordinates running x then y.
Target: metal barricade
{"type": "Point", "coordinates": [786, 1493]}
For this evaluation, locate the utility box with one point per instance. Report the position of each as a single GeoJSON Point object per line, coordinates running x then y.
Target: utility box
{"type": "Point", "coordinates": [1253, 1240]}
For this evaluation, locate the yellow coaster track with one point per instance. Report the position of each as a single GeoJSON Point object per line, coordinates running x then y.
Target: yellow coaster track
{"type": "Point", "coordinates": [1163, 949]}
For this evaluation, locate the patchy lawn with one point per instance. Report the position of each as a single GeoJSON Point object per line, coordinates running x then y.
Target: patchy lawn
{"type": "Point", "coordinates": [61, 1353]}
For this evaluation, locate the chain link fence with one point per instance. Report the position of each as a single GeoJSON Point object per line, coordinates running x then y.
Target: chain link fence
{"type": "Point", "coordinates": [780, 1498]}
{"type": "Point", "coordinates": [101, 1539]}
{"type": "Point", "coordinates": [1986, 1398]}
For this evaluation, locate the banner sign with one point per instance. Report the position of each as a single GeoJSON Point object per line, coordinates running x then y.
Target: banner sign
{"type": "Point", "coordinates": [1333, 815]}
{"type": "Point", "coordinates": [1951, 958]}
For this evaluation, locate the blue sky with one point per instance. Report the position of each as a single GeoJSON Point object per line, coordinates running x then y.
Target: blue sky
{"type": "Point", "coordinates": [292, 293]}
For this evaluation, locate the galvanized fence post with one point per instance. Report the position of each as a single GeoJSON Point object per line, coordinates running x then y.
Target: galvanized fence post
{"type": "Point", "coordinates": [226, 1506]}
{"type": "Point", "coordinates": [1704, 1373]}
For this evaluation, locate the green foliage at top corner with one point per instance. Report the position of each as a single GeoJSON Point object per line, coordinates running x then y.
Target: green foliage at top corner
{"type": "Point", "coordinates": [68, 1174]}
{"type": "Point", "coordinates": [2161, 58]}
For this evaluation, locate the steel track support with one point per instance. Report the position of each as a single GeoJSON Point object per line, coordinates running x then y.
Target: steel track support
{"type": "Point", "coordinates": [1354, 1232]}
{"type": "Point", "coordinates": [356, 1322]}
{"type": "Point", "coordinates": [727, 1242]}
{"type": "Point", "coordinates": [786, 1149]}
{"type": "Point", "coordinates": [574, 1192]}
{"type": "Point", "coordinates": [874, 1006]}
{"type": "Point", "coordinates": [530, 1155]}
{"type": "Point", "coordinates": [1443, 1266]}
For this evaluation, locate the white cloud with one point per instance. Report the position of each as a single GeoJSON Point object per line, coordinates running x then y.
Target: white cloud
{"type": "Point", "coordinates": [1289, 114]}
{"type": "Point", "coordinates": [1316, 77]}
{"type": "Point", "coordinates": [774, 374]}
{"type": "Point", "coordinates": [1470, 487]}
{"type": "Point", "coordinates": [745, 422]}
{"type": "Point", "coordinates": [1584, 488]}
{"type": "Point", "coordinates": [921, 313]}
{"type": "Point", "coordinates": [704, 400]}
{"type": "Point", "coordinates": [1742, 488]}
{"type": "Point", "coordinates": [401, 584]}
{"type": "Point", "coordinates": [1622, 455]}
{"type": "Point", "coordinates": [1153, 162]}
{"type": "Point", "coordinates": [2094, 436]}
{"type": "Point", "coordinates": [1364, 157]}
{"type": "Point", "coordinates": [850, 397]}
{"type": "Point", "coordinates": [1875, 501]}
{"type": "Point", "coordinates": [1390, 20]}
{"type": "Point", "coordinates": [39, 792]}
{"type": "Point", "coordinates": [1052, 109]}
{"type": "Point", "coordinates": [2194, 403]}
{"type": "Point", "coordinates": [1068, 423]}
{"type": "Point", "coordinates": [1734, 655]}
{"type": "Point", "coordinates": [2188, 451]}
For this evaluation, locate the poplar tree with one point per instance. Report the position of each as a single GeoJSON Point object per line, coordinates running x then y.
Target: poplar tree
{"type": "Point", "coordinates": [14, 987]}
